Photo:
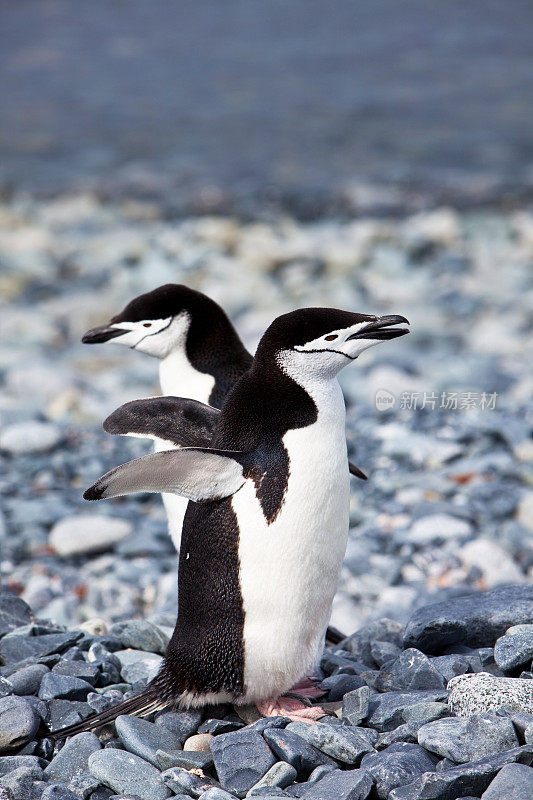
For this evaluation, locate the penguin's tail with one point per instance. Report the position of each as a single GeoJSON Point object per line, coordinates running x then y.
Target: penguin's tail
{"type": "Point", "coordinates": [146, 702]}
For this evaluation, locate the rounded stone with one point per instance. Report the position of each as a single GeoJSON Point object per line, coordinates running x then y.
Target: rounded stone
{"type": "Point", "coordinates": [200, 742]}
{"type": "Point", "coordinates": [86, 533]}
{"type": "Point", "coordinates": [29, 437]}
{"type": "Point", "coordinates": [18, 723]}
{"type": "Point", "coordinates": [124, 772]}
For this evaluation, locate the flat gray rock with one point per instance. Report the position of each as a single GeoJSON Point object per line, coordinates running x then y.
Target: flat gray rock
{"type": "Point", "coordinates": [354, 784]}
{"type": "Point", "coordinates": [385, 711]}
{"type": "Point", "coordinates": [145, 738]}
{"type": "Point", "coordinates": [14, 613]}
{"type": "Point", "coordinates": [475, 620]}
{"type": "Point", "coordinates": [399, 764]}
{"type": "Point", "coordinates": [471, 694]}
{"type": "Point", "coordinates": [140, 635]}
{"type": "Point", "coordinates": [18, 723]}
{"type": "Point", "coordinates": [73, 758]}
{"type": "Point", "coordinates": [513, 782]}
{"type": "Point", "coordinates": [137, 665]}
{"type": "Point", "coordinates": [412, 669]}
{"type": "Point", "coordinates": [468, 739]}
{"type": "Point", "coordinates": [15, 648]}
{"type": "Point", "coordinates": [126, 773]}
{"type": "Point", "coordinates": [342, 742]}
{"type": "Point", "coordinates": [241, 759]}
{"type": "Point", "coordinates": [514, 650]}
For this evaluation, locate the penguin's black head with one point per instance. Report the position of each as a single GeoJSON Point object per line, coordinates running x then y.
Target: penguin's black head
{"type": "Point", "coordinates": [321, 341]}
{"type": "Point", "coordinates": [158, 321]}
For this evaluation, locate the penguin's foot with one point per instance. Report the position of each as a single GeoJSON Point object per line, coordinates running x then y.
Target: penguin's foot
{"type": "Point", "coordinates": [295, 704]}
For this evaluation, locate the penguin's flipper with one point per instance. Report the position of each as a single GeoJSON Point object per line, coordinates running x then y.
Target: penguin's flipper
{"type": "Point", "coordinates": [357, 472]}
{"type": "Point", "coordinates": [196, 473]}
{"type": "Point", "coordinates": [178, 420]}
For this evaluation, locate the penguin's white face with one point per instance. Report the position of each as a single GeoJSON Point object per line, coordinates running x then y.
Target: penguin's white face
{"type": "Point", "coordinates": [325, 356]}
{"type": "Point", "coordinates": [155, 337]}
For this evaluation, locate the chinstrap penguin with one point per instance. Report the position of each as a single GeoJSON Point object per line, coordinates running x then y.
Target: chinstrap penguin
{"type": "Point", "coordinates": [265, 534]}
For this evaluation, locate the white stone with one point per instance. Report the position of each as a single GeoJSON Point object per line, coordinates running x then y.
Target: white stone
{"type": "Point", "coordinates": [29, 437]}
{"type": "Point", "coordinates": [496, 565]}
{"type": "Point", "coordinates": [472, 694]}
{"type": "Point", "coordinates": [87, 534]}
{"type": "Point", "coordinates": [524, 513]}
{"type": "Point", "coordinates": [438, 527]}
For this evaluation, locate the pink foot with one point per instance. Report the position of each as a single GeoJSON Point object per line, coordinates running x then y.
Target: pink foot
{"type": "Point", "coordinates": [289, 707]}
{"type": "Point", "coordinates": [307, 688]}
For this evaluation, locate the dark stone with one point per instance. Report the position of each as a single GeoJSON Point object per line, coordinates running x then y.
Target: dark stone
{"type": "Point", "coordinates": [140, 634]}
{"type": "Point", "coordinates": [411, 670]}
{"type": "Point", "coordinates": [145, 738]}
{"type": "Point", "coordinates": [18, 723]}
{"type": "Point", "coordinates": [73, 757]}
{"type": "Point", "coordinates": [241, 758]}
{"type": "Point", "coordinates": [28, 679]}
{"type": "Point", "coordinates": [66, 712]}
{"type": "Point", "coordinates": [217, 726]}
{"type": "Point", "coordinates": [15, 648]}
{"type": "Point", "coordinates": [342, 742]}
{"type": "Point", "coordinates": [14, 613]}
{"type": "Point", "coordinates": [354, 784]}
{"type": "Point", "coordinates": [399, 764]}
{"type": "Point", "coordinates": [293, 749]}
{"type": "Point", "coordinates": [513, 781]}
{"type": "Point", "coordinates": [476, 620]}
{"type": "Point", "coordinates": [382, 630]}
{"type": "Point", "coordinates": [125, 772]}
{"type": "Point", "coordinates": [187, 759]}
{"type": "Point", "coordinates": [514, 651]}
{"type": "Point", "coordinates": [472, 778]}
{"type": "Point", "coordinates": [77, 669]}
{"type": "Point", "coordinates": [422, 713]}
{"type": "Point", "coordinates": [183, 782]}
{"type": "Point", "coordinates": [58, 792]}
{"type": "Point", "coordinates": [339, 685]}
{"type": "Point", "coordinates": [385, 711]}
{"type": "Point", "coordinates": [19, 783]}
{"type": "Point", "coordinates": [450, 666]}
{"type": "Point", "coordinates": [403, 733]}
{"type": "Point", "coordinates": [383, 651]}
{"type": "Point", "coordinates": [463, 739]}
{"type": "Point", "coordinates": [63, 687]}
{"type": "Point", "coordinates": [181, 723]}
{"type": "Point", "coordinates": [355, 705]}
{"type": "Point", "coordinates": [10, 763]}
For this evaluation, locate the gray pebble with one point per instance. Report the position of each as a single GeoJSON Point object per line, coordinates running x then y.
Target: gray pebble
{"type": "Point", "coordinates": [14, 648]}
{"type": "Point", "coordinates": [295, 750]}
{"type": "Point", "coordinates": [355, 705]}
{"type": "Point", "coordinates": [513, 781]}
{"type": "Point", "coordinates": [181, 781]}
{"type": "Point", "coordinates": [28, 679]}
{"type": "Point", "coordinates": [14, 613]}
{"type": "Point", "coordinates": [140, 635]}
{"type": "Point", "coordinates": [145, 738]}
{"type": "Point", "coordinates": [422, 713]}
{"type": "Point", "coordinates": [386, 710]}
{"type": "Point", "coordinates": [471, 694]}
{"type": "Point", "coordinates": [514, 650]}
{"type": "Point", "coordinates": [343, 743]}
{"type": "Point", "coordinates": [411, 670]}
{"type": "Point", "coordinates": [63, 687]}
{"type": "Point", "coordinates": [354, 784]}
{"type": "Point", "coordinates": [470, 739]}
{"type": "Point", "coordinates": [241, 758]}
{"type": "Point", "coordinates": [280, 774]}
{"type": "Point", "coordinates": [19, 782]}
{"type": "Point", "coordinates": [73, 757]}
{"type": "Point", "coordinates": [78, 669]}
{"type": "Point", "coordinates": [125, 772]}
{"type": "Point", "coordinates": [186, 759]}
{"type": "Point", "coordinates": [181, 723]}
{"type": "Point", "coordinates": [399, 764]}
{"type": "Point", "coordinates": [18, 723]}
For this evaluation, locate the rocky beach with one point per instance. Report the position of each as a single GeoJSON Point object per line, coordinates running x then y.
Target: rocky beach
{"type": "Point", "coordinates": [426, 701]}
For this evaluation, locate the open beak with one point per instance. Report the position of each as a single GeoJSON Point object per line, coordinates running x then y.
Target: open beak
{"type": "Point", "coordinates": [380, 328]}
{"type": "Point", "coordinates": [102, 334]}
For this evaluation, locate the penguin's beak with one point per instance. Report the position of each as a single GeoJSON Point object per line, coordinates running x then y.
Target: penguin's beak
{"type": "Point", "coordinates": [102, 334]}
{"type": "Point", "coordinates": [381, 329]}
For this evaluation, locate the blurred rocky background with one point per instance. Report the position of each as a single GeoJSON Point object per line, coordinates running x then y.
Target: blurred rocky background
{"type": "Point", "coordinates": [373, 156]}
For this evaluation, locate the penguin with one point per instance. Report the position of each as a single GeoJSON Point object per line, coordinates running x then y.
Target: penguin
{"type": "Point", "coordinates": [200, 357]}
{"type": "Point", "coordinates": [266, 528]}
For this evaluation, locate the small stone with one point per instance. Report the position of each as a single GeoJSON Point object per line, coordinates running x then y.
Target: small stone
{"type": "Point", "coordinates": [29, 437]}
{"type": "Point", "coordinates": [145, 738]}
{"type": "Point", "coordinates": [438, 528]}
{"type": "Point", "coordinates": [279, 775]}
{"type": "Point", "coordinates": [216, 726]}
{"type": "Point", "coordinates": [67, 712]}
{"type": "Point", "coordinates": [241, 758]}
{"type": "Point", "coordinates": [403, 733]}
{"type": "Point", "coordinates": [27, 680]}
{"type": "Point", "coordinates": [63, 687]}
{"type": "Point", "coordinates": [476, 620]}
{"type": "Point", "coordinates": [411, 670]}
{"type": "Point", "coordinates": [214, 793]}
{"type": "Point", "coordinates": [83, 784]}
{"type": "Point", "coordinates": [181, 723]}
{"type": "Point", "coordinates": [199, 743]}
{"type": "Point", "coordinates": [14, 613]}
{"type": "Point", "coordinates": [339, 685]}
{"type": "Point", "coordinates": [472, 778]}
{"type": "Point", "coordinates": [183, 782]}
{"type": "Point", "coordinates": [86, 533]}
{"type": "Point", "coordinates": [399, 764]}
{"type": "Point", "coordinates": [470, 739]}
{"type": "Point", "coordinates": [140, 635]}
{"type": "Point", "coordinates": [383, 630]}
{"type": "Point", "coordinates": [295, 750]}
{"type": "Point", "coordinates": [18, 723]}
{"type": "Point", "coordinates": [450, 666]}
{"type": "Point", "coordinates": [125, 772]}
{"type": "Point", "coordinates": [342, 742]}
{"type": "Point", "coordinates": [513, 651]}
{"type": "Point", "coordinates": [182, 758]}
{"type": "Point", "coordinates": [513, 781]}
{"type": "Point", "coordinates": [471, 694]}
{"type": "Point", "coordinates": [497, 567]}
{"type": "Point", "coordinates": [78, 669]}
{"type": "Point", "coordinates": [386, 710]}
{"type": "Point", "coordinates": [10, 763]}
{"type": "Point", "coordinates": [422, 713]}
{"type": "Point", "coordinates": [354, 784]}
{"type": "Point", "coordinates": [14, 648]}
{"type": "Point", "coordinates": [19, 782]}
{"type": "Point", "coordinates": [58, 792]}
{"type": "Point", "coordinates": [73, 757]}
{"type": "Point", "coordinates": [383, 652]}
{"type": "Point", "coordinates": [355, 705]}
{"type": "Point", "coordinates": [137, 665]}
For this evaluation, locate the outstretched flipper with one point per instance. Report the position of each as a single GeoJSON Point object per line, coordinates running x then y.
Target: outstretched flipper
{"type": "Point", "coordinates": [198, 474]}
{"type": "Point", "coordinates": [178, 420]}
{"type": "Point", "coordinates": [357, 472]}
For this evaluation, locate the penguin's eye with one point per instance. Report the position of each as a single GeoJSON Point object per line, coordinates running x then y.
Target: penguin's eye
{"type": "Point", "coordinates": [331, 337]}
{"type": "Point", "coordinates": [147, 324]}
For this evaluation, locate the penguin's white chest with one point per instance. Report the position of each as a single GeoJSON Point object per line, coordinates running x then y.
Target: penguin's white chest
{"type": "Point", "coordinates": [289, 569]}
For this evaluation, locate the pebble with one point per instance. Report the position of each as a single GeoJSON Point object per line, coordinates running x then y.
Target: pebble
{"type": "Point", "coordinates": [14, 648]}
{"type": "Point", "coordinates": [78, 669]}
{"type": "Point", "coordinates": [514, 650]}
{"type": "Point", "coordinates": [468, 739]}
{"type": "Point", "coordinates": [422, 713]}
{"type": "Point", "coordinates": [140, 635]}
{"type": "Point", "coordinates": [295, 750]}
{"type": "Point", "coordinates": [19, 783]}
{"type": "Point", "coordinates": [355, 784]}
{"type": "Point", "coordinates": [87, 533]}
{"type": "Point", "coordinates": [182, 781]}
{"type": "Point", "coordinates": [63, 687]}
{"type": "Point", "coordinates": [280, 774]}
{"type": "Point", "coordinates": [241, 758]}
{"type": "Point", "coordinates": [73, 757]}
{"type": "Point", "coordinates": [355, 705]}
{"type": "Point", "coordinates": [18, 723]}
{"type": "Point", "coordinates": [410, 670]}
{"type": "Point", "coordinates": [343, 743]}
{"type": "Point", "coordinates": [399, 764]}
{"type": "Point", "coordinates": [145, 738]}
{"type": "Point", "coordinates": [28, 679]}
{"type": "Point", "coordinates": [14, 613]}
{"type": "Point", "coordinates": [199, 743]}
{"type": "Point", "coordinates": [386, 710]}
{"type": "Point", "coordinates": [125, 772]}
{"type": "Point", "coordinates": [137, 665]}
{"type": "Point", "coordinates": [181, 723]}
{"type": "Point", "coordinates": [438, 528]}
{"type": "Point", "coordinates": [471, 694]}
{"type": "Point", "coordinates": [29, 437]}
{"type": "Point", "coordinates": [184, 759]}
{"type": "Point", "coordinates": [513, 781]}
{"type": "Point", "coordinates": [476, 621]}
